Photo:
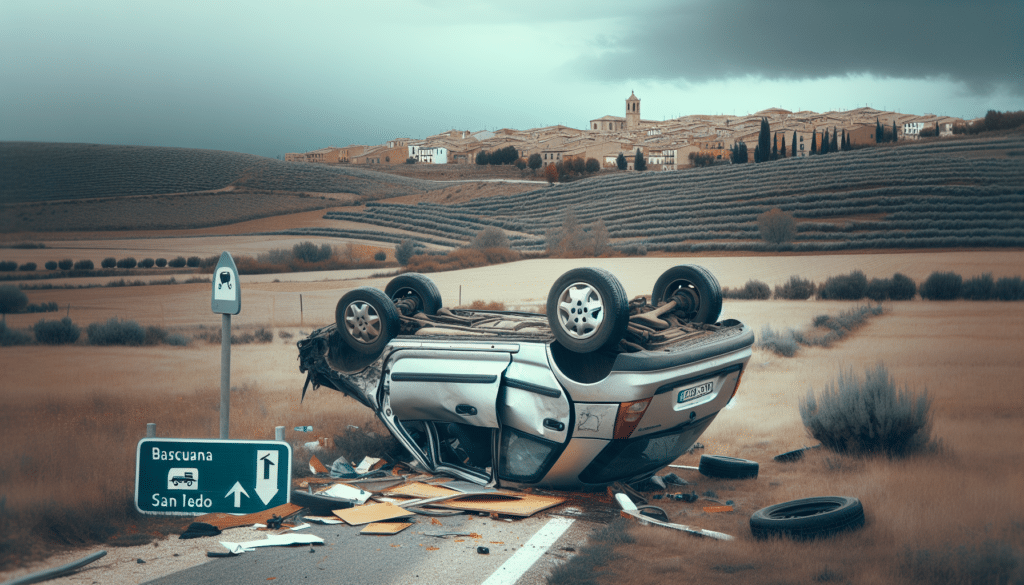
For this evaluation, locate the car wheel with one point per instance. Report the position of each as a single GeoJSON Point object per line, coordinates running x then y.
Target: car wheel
{"type": "Point", "coordinates": [367, 320]}
{"type": "Point", "coordinates": [727, 467]}
{"type": "Point", "coordinates": [694, 289]}
{"type": "Point", "coordinates": [415, 287]}
{"type": "Point", "coordinates": [587, 310]}
{"type": "Point", "coordinates": [808, 517]}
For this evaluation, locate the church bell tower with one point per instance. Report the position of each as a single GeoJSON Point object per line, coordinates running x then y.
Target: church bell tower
{"type": "Point", "coordinates": [632, 111]}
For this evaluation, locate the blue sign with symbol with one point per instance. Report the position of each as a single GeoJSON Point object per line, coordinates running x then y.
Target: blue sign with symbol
{"type": "Point", "coordinates": [199, 476]}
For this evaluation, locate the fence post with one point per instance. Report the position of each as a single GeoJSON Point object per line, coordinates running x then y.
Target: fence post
{"type": "Point", "coordinates": [278, 433]}
{"type": "Point", "coordinates": [150, 430]}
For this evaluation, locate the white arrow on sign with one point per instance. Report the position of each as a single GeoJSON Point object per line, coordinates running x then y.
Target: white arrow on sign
{"type": "Point", "coordinates": [239, 491]}
{"type": "Point", "coordinates": [266, 474]}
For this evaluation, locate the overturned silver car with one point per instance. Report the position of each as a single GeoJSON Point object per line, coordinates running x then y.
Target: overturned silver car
{"type": "Point", "coordinates": [600, 390]}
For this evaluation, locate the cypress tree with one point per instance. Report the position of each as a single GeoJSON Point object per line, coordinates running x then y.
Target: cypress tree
{"type": "Point", "coordinates": [814, 142]}
{"type": "Point", "coordinates": [878, 131]}
{"type": "Point", "coordinates": [775, 147]}
{"type": "Point", "coordinates": [782, 151]}
{"type": "Point", "coordinates": [894, 130]}
{"type": "Point", "coordinates": [764, 146]}
{"type": "Point", "coordinates": [794, 143]}
{"type": "Point", "coordinates": [824, 142]}
{"type": "Point", "coordinates": [757, 153]}
{"type": "Point", "coordinates": [834, 147]}
{"type": "Point", "coordinates": [744, 156]}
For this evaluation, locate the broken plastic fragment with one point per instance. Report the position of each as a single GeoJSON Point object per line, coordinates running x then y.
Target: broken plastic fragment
{"type": "Point", "coordinates": [286, 539]}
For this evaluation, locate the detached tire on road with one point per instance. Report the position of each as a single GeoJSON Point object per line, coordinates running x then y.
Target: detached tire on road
{"type": "Point", "coordinates": [727, 467]}
{"type": "Point", "coordinates": [808, 518]}
{"type": "Point", "coordinates": [587, 310]}
{"type": "Point", "coordinates": [416, 286]}
{"type": "Point", "coordinates": [367, 320]}
{"type": "Point", "coordinates": [694, 288]}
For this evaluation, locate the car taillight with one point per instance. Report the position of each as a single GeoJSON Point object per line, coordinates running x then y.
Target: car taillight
{"type": "Point", "coordinates": [629, 416]}
{"type": "Point", "coordinates": [737, 386]}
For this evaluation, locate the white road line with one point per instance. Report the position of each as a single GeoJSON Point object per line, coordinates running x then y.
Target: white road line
{"type": "Point", "coordinates": [525, 557]}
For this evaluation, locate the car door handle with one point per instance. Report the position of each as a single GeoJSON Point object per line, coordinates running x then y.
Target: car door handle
{"type": "Point", "coordinates": [554, 425]}
{"type": "Point", "coordinates": [465, 410]}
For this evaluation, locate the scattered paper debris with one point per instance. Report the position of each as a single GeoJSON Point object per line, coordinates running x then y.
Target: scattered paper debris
{"type": "Point", "coordinates": [368, 463]}
{"type": "Point", "coordinates": [272, 540]}
{"type": "Point", "coordinates": [347, 492]}
{"type": "Point", "coordinates": [224, 521]}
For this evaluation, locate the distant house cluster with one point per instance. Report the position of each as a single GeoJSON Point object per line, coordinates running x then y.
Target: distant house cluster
{"type": "Point", "coordinates": [665, 145]}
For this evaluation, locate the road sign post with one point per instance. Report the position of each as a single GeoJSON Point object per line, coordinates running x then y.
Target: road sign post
{"type": "Point", "coordinates": [227, 300]}
{"type": "Point", "coordinates": [195, 476]}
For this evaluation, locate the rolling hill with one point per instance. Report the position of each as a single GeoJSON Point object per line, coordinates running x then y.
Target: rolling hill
{"type": "Point", "coordinates": [923, 195]}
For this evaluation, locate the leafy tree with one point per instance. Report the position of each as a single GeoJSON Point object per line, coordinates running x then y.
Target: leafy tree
{"type": "Point", "coordinates": [51, 265]}
{"type": "Point", "coordinates": [178, 262]}
{"type": "Point", "coordinates": [776, 226]}
{"type": "Point", "coordinates": [534, 162]}
{"type": "Point", "coordinates": [482, 158]}
{"type": "Point", "coordinates": [794, 144]}
{"type": "Point", "coordinates": [192, 262]}
{"type": "Point", "coordinates": [620, 161]}
{"type": "Point", "coordinates": [108, 262]}
{"type": "Point", "coordinates": [490, 237]}
{"type": "Point", "coordinates": [12, 300]}
{"type": "Point", "coordinates": [404, 251]}
{"type": "Point", "coordinates": [520, 164]}
{"type": "Point", "coordinates": [132, 262]}
{"type": "Point", "coordinates": [578, 165]}
{"type": "Point", "coordinates": [27, 267]}
{"type": "Point", "coordinates": [311, 253]}
{"type": "Point", "coordinates": [782, 151]}
{"type": "Point", "coordinates": [638, 161]}
{"type": "Point", "coordinates": [592, 165]}
{"type": "Point", "coordinates": [84, 265]}
{"type": "Point", "coordinates": [66, 264]}
{"type": "Point", "coordinates": [550, 173]}
{"type": "Point", "coordinates": [161, 262]}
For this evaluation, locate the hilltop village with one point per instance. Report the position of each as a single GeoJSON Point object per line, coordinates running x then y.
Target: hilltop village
{"type": "Point", "coordinates": [665, 145]}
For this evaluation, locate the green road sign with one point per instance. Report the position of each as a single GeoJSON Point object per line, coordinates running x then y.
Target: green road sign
{"type": "Point", "coordinates": [198, 476]}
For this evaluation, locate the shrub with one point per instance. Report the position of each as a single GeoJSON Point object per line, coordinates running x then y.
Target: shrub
{"type": "Point", "coordinates": [50, 307]}
{"type": "Point", "coordinates": [178, 262]}
{"type": "Point", "coordinates": [520, 164]}
{"type": "Point", "coordinates": [10, 336]}
{"type": "Point", "coordinates": [161, 262]}
{"type": "Point", "coordinates": [776, 226]}
{"type": "Point", "coordinates": [116, 332]}
{"type": "Point", "coordinates": [411, 160]}
{"type": "Point", "coordinates": [12, 299]}
{"type": "Point", "coordinates": [380, 256]}
{"type": "Point", "coordinates": [837, 326]}
{"type": "Point", "coordinates": [27, 267]}
{"type": "Point", "coordinates": [869, 416]}
{"type": "Point", "coordinates": [1009, 288]}
{"type": "Point", "coordinates": [634, 249]}
{"type": "Point", "coordinates": [878, 289]}
{"type": "Point", "coordinates": [264, 335]}
{"type": "Point", "coordinates": [310, 252]}
{"type": "Point", "coordinates": [797, 289]}
{"type": "Point", "coordinates": [51, 265]}
{"type": "Point", "coordinates": [193, 261]}
{"type": "Point", "coordinates": [127, 262]}
{"type": "Point", "coordinates": [66, 264]}
{"type": "Point", "coordinates": [84, 265]}
{"type": "Point", "coordinates": [155, 335]}
{"type": "Point", "coordinates": [781, 343]}
{"type": "Point", "coordinates": [8, 266]}
{"type": "Point", "coordinates": [147, 263]}
{"type": "Point", "coordinates": [550, 173]}
{"type": "Point", "coordinates": [849, 287]}
{"type": "Point", "coordinates": [490, 237]}
{"type": "Point", "coordinates": [942, 286]}
{"type": "Point", "coordinates": [57, 332]}
{"type": "Point", "coordinates": [902, 287]}
{"type": "Point", "coordinates": [752, 290]}
{"type": "Point", "coordinates": [176, 339]}
{"type": "Point", "coordinates": [108, 262]}
{"type": "Point", "coordinates": [404, 251]}
{"type": "Point", "coordinates": [979, 288]}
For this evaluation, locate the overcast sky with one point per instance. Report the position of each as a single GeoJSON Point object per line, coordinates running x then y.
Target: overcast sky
{"type": "Point", "coordinates": [274, 77]}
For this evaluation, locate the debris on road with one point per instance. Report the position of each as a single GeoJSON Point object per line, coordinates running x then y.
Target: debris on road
{"type": "Point", "coordinates": [199, 530]}
{"type": "Point", "coordinates": [223, 521]}
{"type": "Point", "coordinates": [47, 574]}
{"type": "Point", "coordinates": [272, 540]}
{"type": "Point", "coordinates": [630, 509]}
{"type": "Point", "coordinates": [368, 513]}
{"type": "Point", "coordinates": [385, 528]}
{"type": "Point", "coordinates": [316, 466]}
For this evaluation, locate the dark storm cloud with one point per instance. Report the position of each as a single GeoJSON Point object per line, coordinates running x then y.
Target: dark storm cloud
{"type": "Point", "coordinates": [979, 43]}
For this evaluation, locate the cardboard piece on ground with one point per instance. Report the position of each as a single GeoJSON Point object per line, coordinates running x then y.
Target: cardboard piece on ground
{"type": "Point", "coordinates": [317, 466]}
{"type": "Point", "coordinates": [385, 527]}
{"type": "Point", "coordinates": [347, 492]}
{"type": "Point", "coordinates": [224, 521]}
{"type": "Point", "coordinates": [368, 463]}
{"type": "Point", "coordinates": [273, 540]}
{"type": "Point", "coordinates": [503, 502]}
{"type": "Point", "coordinates": [714, 509]}
{"type": "Point", "coordinates": [419, 490]}
{"type": "Point", "coordinates": [371, 513]}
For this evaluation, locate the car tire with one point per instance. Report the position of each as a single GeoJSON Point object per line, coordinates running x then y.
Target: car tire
{"type": "Point", "coordinates": [418, 287]}
{"type": "Point", "coordinates": [695, 289]}
{"type": "Point", "coordinates": [727, 467]}
{"type": "Point", "coordinates": [367, 320]}
{"type": "Point", "coordinates": [808, 517]}
{"type": "Point", "coordinates": [587, 310]}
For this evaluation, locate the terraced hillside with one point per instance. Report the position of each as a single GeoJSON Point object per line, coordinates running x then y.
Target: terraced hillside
{"type": "Point", "coordinates": [33, 172]}
{"type": "Point", "coordinates": [922, 195]}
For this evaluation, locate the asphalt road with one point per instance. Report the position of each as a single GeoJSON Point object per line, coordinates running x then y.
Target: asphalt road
{"type": "Point", "coordinates": [410, 557]}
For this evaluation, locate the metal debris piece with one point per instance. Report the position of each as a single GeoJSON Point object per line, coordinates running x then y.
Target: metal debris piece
{"type": "Point", "coordinates": [47, 574]}
{"type": "Point", "coordinates": [483, 550]}
{"type": "Point", "coordinates": [630, 509]}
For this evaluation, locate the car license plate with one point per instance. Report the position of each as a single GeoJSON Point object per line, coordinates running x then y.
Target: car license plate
{"type": "Point", "coordinates": [695, 392]}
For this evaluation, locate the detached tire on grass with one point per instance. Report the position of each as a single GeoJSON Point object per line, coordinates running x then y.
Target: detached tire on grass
{"type": "Point", "coordinates": [727, 467]}
{"type": "Point", "coordinates": [808, 518]}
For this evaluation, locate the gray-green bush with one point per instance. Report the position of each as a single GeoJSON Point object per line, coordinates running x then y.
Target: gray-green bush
{"type": "Point", "coordinates": [979, 288]}
{"type": "Point", "coordinates": [878, 289]}
{"type": "Point", "coordinates": [837, 326]}
{"type": "Point", "coordinates": [796, 289]}
{"type": "Point", "coordinates": [869, 415]}
{"type": "Point", "coordinates": [161, 262]}
{"type": "Point", "coordinates": [404, 251]}
{"type": "Point", "coordinates": [66, 264]}
{"type": "Point", "coordinates": [178, 262]}
{"type": "Point", "coordinates": [51, 265]}
{"type": "Point", "coordinates": [56, 332]}
{"type": "Point", "coordinates": [147, 263]}
{"type": "Point", "coordinates": [1010, 288]}
{"type": "Point", "coordinates": [781, 342]}
{"type": "Point", "coordinates": [942, 286]}
{"type": "Point", "coordinates": [310, 252]}
{"type": "Point", "coordinates": [380, 256]}
{"type": "Point", "coordinates": [847, 287]}
{"type": "Point", "coordinates": [752, 290]}
{"type": "Point", "coordinates": [108, 263]}
{"type": "Point", "coordinates": [10, 336]}
{"type": "Point", "coordinates": [116, 332]}
{"type": "Point", "coordinates": [902, 288]}
{"type": "Point", "coordinates": [12, 299]}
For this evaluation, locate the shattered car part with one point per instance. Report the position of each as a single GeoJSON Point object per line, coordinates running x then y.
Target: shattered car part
{"type": "Point", "coordinates": [630, 509]}
{"type": "Point", "coordinates": [603, 390]}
